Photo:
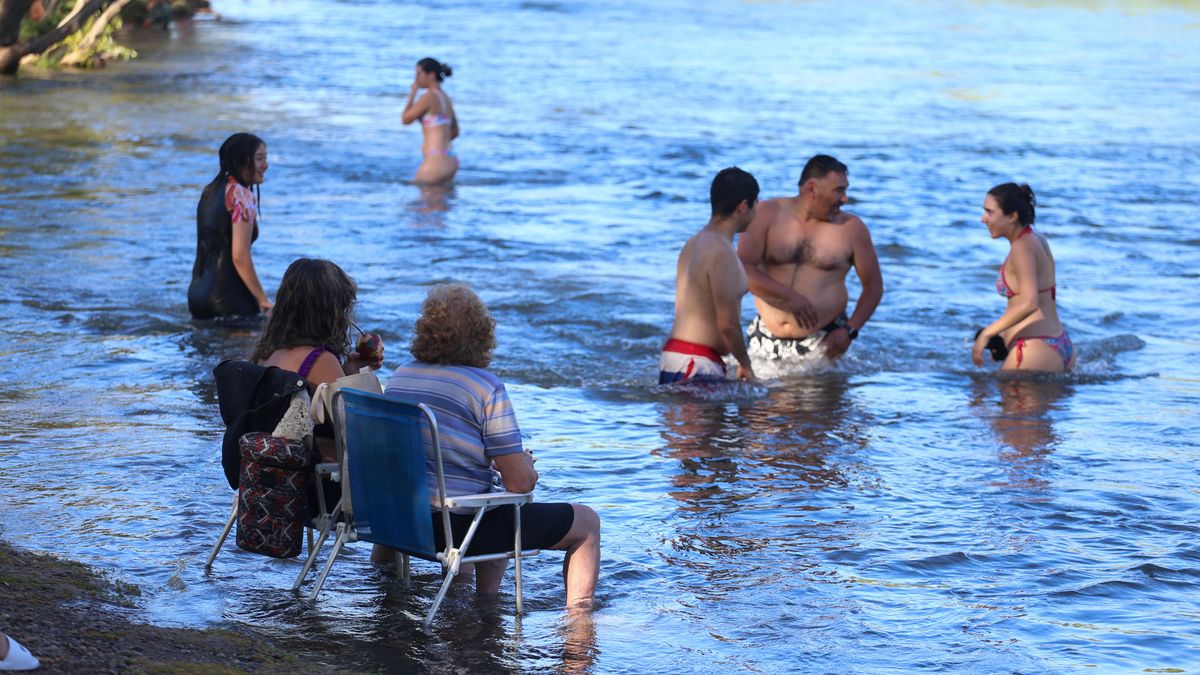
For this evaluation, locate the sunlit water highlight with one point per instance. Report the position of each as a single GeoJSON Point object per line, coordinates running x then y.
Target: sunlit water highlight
{"type": "Point", "coordinates": [907, 511]}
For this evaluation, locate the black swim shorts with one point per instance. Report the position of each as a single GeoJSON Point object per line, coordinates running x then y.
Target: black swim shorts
{"type": "Point", "coordinates": [542, 526]}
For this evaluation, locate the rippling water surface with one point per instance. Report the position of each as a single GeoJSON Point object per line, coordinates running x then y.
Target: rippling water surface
{"type": "Point", "coordinates": [906, 511]}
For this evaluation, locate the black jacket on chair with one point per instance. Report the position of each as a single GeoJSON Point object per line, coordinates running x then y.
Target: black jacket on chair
{"type": "Point", "coordinates": [251, 398]}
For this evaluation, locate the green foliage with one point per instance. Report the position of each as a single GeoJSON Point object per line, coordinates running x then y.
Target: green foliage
{"type": "Point", "coordinates": [106, 48]}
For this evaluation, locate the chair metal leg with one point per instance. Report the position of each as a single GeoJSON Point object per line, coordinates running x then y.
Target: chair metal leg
{"type": "Point", "coordinates": [517, 556]}
{"type": "Point", "coordinates": [451, 572]}
{"type": "Point", "coordinates": [224, 533]}
{"type": "Point", "coordinates": [400, 560]}
{"type": "Point", "coordinates": [313, 550]}
{"type": "Point", "coordinates": [451, 563]}
{"type": "Point", "coordinates": [343, 536]}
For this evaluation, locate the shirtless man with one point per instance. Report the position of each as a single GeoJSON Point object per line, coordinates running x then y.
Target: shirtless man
{"type": "Point", "coordinates": [709, 284]}
{"type": "Point", "coordinates": [797, 253]}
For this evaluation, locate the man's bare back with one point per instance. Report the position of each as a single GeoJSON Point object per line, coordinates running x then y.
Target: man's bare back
{"type": "Point", "coordinates": [710, 281]}
{"type": "Point", "coordinates": [706, 258]}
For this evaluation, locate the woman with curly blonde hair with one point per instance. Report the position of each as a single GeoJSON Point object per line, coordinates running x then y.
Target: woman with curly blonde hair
{"type": "Point", "coordinates": [455, 329]}
{"type": "Point", "coordinates": [481, 445]}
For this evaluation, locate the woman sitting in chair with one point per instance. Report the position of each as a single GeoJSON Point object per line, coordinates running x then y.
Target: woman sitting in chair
{"type": "Point", "coordinates": [309, 331]}
{"type": "Point", "coordinates": [452, 344]}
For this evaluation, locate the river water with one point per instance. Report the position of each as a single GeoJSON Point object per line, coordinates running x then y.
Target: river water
{"type": "Point", "coordinates": [907, 511]}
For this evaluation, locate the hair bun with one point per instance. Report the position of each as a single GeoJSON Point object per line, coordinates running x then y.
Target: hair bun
{"type": "Point", "coordinates": [447, 71]}
{"type": "Point", "coordinates": [1028, 192]}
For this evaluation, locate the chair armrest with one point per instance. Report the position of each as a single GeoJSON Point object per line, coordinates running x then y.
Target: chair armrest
{"type": "Point", "coordinates": [331, 469]}
{"type": "Point", "coordinates": [488, 499]}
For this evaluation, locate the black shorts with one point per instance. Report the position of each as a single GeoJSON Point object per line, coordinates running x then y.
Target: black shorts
{"type": "Point", "coordinates": [542, 526]}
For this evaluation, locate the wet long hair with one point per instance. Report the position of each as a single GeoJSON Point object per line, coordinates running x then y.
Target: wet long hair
{"type": "Point", "coordinates": [1014, 198]}
{"type": "Point", "coordinates": [455, 328]}
{"type": "Point", "coordinates": [314, 307]}
{"type": "Point", "coordinates": [432, 65]}
{"type": "Point", "coordinates": [237, 160]}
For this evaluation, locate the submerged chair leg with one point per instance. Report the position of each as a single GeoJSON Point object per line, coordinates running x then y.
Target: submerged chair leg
{"type": "Point", "coordinates": [224, 533]}
{"type": "Point", "coordinates": [441, 595]}
{"type": "Point", "coordinates": [313, 550]}
{"type": "Point", "coordinates": [451, 562]}
{"type": "Point", "coordinates": [343, 536]}
{"type": "Point", "coordinates": [400, 560]}
{"type": "Point", "coordinates": [517, 557]}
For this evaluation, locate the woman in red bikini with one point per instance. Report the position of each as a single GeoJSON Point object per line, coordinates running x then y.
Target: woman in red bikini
{"type": "Point", "coordinates": [1029, 326]}
{"type": "Point", "coordinates": [439, 124]}
{"type": "Point", "coordinates": [309, 331]}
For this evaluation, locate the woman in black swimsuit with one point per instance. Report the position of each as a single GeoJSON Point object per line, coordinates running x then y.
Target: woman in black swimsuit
{"type": "Point", "coordinates": [224, 281]}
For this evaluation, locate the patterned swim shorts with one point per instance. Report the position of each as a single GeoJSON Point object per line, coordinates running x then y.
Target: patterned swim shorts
{"type": "Point", "coordinates": [765, 348]}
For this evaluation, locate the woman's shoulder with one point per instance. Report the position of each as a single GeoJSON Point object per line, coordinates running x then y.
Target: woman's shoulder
{"type": "Point", "coordinates": [293, 358]}
{"type": "Point", "coordinates": [1035, 244]}
{"type": "Point", "coordinates": [240, 201]}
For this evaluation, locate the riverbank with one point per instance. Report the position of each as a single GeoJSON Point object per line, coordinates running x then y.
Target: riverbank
{"type": "Point", "coordinates": [75, 620]}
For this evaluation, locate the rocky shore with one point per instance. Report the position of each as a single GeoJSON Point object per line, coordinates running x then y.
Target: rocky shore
{"type": "Point", "coordinates": [75, 621]}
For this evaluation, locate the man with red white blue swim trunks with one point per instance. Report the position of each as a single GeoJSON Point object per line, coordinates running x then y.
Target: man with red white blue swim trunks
{"type": "Point", "coordinates": [709, 284]}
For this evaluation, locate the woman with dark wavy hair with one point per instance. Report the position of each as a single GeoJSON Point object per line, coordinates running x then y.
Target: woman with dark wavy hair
{"type": "Point", "coordinates": [439, 124]}
{"type": "Point", "coordinates": [1029, 329]}
{"type": "Point", "coordinates": [481, 446]}
{"type": "Point", "coordinates": [308, 331]}
{"type": "Point", "coordinates": [224, 281]}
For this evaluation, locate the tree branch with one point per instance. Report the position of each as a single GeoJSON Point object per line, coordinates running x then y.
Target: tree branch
{"type": "Point", "coordinates": [83, 11]}
{"type": "Point", "coordinates": [80, 54]}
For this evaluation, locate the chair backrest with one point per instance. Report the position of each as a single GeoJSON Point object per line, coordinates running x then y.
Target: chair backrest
{"type": "Point", "coordinates": [385, 458]}
{"type": "Point", "coordinates": [324, 408]}
{"type": "Point", "coordinates": [251, 398]}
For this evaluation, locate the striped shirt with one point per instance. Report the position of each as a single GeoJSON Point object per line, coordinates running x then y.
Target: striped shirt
{"type": "Point", "coordinates": [475, 422]}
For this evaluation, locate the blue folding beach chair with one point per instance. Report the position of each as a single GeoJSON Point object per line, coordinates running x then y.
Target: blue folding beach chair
{"type": "Point", "coordinates": [386, 495]}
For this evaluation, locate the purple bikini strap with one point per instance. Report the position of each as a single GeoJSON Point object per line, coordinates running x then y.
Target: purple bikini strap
{"type": "Point", "coordinates": [309, 361]}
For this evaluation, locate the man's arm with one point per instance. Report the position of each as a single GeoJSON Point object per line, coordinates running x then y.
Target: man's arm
{"type": "Point", "coordinates": [752, 251]}
{"type": "Point", "coordinates": [723, 280]}
{"type": "Point", "coordinates": [866, 265]}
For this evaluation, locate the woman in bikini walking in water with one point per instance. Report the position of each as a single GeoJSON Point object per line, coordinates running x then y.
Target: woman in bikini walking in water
{"type": "Point", "coordinates": [438, 122]}
{"type": "Point", "coordinates": [1029, 326]}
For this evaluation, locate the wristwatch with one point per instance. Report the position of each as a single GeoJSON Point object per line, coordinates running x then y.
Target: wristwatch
{"type": "Point", "coordinates": [844, 324]}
